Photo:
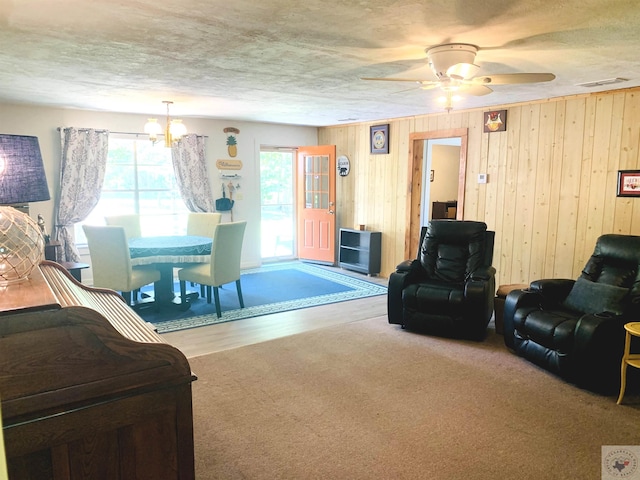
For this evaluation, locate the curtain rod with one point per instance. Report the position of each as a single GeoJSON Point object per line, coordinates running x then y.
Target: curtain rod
{"type": "Point", "coordinates": [117, 133]}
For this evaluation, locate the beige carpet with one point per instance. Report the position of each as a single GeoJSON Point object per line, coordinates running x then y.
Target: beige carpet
{"type": "Point", "coordinates": [367, 400]}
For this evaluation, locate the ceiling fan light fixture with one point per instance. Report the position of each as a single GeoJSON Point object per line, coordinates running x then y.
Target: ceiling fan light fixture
{"type": "Point", "coordinates": [443, 57]}
{"type": "Point", "coordinates": [462, 71]}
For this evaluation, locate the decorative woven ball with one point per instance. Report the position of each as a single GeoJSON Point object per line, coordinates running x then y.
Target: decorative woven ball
{"type": "Point", "coordinates": [21, 245]}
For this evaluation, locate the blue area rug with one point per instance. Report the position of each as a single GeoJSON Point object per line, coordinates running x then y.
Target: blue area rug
{"type": "Point", "coordinates": [265, 290]}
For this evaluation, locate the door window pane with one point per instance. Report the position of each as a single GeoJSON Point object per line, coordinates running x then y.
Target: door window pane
{"type": "Point", "coordinates": [317, 182]}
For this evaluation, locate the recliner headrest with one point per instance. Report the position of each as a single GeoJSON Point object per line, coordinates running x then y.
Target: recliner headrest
{"type": "Point", "coordinates": [452, 249]}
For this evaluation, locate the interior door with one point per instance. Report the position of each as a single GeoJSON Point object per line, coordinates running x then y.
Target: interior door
{"type": "Point", "coordinates": [316, 199]}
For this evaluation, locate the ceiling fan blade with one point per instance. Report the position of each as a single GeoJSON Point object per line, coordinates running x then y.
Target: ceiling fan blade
{"type": "Point", "coordinates": [476, 90]}
{"type": "Point", "coordinates": [422, 82]}
{"type": "Point", "coordinates": [514, 78]}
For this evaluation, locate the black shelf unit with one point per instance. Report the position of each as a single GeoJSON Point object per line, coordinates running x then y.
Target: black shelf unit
{"type": "Point", "coordinates": [360, 251]}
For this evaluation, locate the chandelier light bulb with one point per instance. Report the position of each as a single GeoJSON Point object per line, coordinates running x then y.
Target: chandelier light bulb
{"type": "Point", "coordinates": [153, 129]}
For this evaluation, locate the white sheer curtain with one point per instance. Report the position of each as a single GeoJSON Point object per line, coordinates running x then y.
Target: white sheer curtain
{"type": "Point", "coordinates": [82, 166]}
{"type": "Point", "coordinates": [190, 168]}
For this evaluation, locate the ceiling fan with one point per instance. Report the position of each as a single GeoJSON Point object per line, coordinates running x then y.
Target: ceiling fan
{"type": "Point", "coordinates": [452, 64]}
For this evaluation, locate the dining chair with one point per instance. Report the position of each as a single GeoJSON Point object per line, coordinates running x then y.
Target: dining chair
{"type": "Point", "coordinates": [130, 223]}
{"type": "Point", "coordinates": [202, 224]}
{"type": "Point", "coordinates": [111, 261]}
{"type": "Point", "coordinates": [224, 266]}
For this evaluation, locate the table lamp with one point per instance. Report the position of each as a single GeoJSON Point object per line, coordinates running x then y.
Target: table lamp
{"type": "Point", "coordinates": [22, 180]}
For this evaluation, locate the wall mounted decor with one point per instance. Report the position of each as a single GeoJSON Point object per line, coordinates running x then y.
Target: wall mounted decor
{"type": "Point", "coordinates": [629, 183]}
{"type": "Point", "coordinates": [232, 144]}
{"type": "Point", "coordinates": [380, 139]}
{"type": "Point", "coordinates": [495, 121]}
{"type": "Point", "coordinates": [343, 165]}
{"type": "Point", "coordinates": [229, 164]}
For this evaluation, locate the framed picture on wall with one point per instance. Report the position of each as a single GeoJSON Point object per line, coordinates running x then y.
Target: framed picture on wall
{"type": "Point", "coordinates": [629, 183]}
{"type": "Point", "coordinates": [495, 121]}
{"type": "Point", "coordinates": [380, 138]}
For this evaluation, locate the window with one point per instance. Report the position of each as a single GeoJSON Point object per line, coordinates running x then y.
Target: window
{"type": "Point", "coordinates": [139, 179]}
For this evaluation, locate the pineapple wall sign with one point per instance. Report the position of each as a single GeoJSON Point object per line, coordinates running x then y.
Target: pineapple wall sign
{"type": "Point", "coordinates": [232, 144]}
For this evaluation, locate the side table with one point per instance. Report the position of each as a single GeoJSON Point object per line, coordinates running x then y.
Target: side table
{"type": "Point", "coordinates": [628, 358]}
{"type": "Point", "coordinates": [498, 302]}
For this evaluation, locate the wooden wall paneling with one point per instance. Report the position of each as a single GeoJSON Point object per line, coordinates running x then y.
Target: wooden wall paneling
{"type": "Point", "coordinates": [525, 198]}
{"type": "Point", "coordinates": [392, 221]}
{"type": "Point", "coordinates": [362, 176]}
{"type": "Point", "coordinates": [470, 209]}
{"type": "Point", "coordinates": [350, 138]}
{"type": "Point", "coordinates": [433, 123]}
{"type": "Point", "coordinates": [556, 198]}
{"type": "Point", "coordinates": [475, 166]}
{"type": "Point", "coordinates": [510, 191]}
{"type": "Point", "coordinates": [610, 224]}
{"type": "Point", "coordinates": [345, 188]}
{"type": "Point", "coordinates": [373, 201]}
{"type": "Point", "coordinates": [570, 189]}
{"type": "Point", "coordinates": [498, 156]}
{"type": "Point", "coordinates": [585, 215]}
{"type": "Point", "coordinates": [597, 199]}
{"type": "Point", "coordinates": [555, 214]}
{"type": "Point", "coordinates": [627, 208]}
{"type": "Point", "coordinates": [489, 158]}
{"type": "Point", "coordinates": [542, 196]}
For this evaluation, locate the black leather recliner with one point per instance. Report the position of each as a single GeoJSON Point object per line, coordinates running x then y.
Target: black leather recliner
{"type": "Point", "coordinates": [449, 289]}
{"type": "Point", "coordinates": [575, 328]}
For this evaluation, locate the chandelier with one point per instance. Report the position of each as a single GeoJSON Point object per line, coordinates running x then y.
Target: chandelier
{"type": "Point", "coordinates": [174, 130]}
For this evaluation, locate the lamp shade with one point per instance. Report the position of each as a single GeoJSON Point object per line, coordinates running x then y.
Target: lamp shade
{"type": "Point", "coordinates": [22, 180]}
{"type": "Point", "coordinates": [22, 177]}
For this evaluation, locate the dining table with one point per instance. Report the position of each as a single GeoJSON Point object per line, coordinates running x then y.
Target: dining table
{"type": "Point", "coordinates": [166, 253]}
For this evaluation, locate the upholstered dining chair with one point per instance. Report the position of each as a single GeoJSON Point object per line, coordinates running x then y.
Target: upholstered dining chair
{"type": "Point", "coordinates": [202, 224]}
{"type": "Point", "coordinates": [224, 266]}
{"type": "Point", "coordinates": [111, 261]}
{"type": "Point", "coordinates": [130, 223]}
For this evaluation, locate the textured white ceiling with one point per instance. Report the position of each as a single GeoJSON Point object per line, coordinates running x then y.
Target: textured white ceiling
{"type": "Point", "coordinates": [300, 61]}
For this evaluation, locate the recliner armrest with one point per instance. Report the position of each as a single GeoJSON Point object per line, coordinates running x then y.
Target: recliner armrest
{"type": "Point", "coordinates": [405, 273]}
{"type": "Point", "coordinates": [405, 266]}
{"type": "Point", "coordinates": [598, 347]}
{"type": "Point", "coordinates": [483, 273]}
{"type": "Point", "coordinates": [517, 299]}
{"type": "Point", "coordinates": [553, 290]}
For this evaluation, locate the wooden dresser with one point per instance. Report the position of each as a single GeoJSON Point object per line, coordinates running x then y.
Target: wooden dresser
{"type": "Point", "coordinates": [88, 389]}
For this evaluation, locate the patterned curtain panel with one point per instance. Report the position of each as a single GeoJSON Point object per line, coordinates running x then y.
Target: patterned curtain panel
{"type": "Point", "coordinates": [190, 168]}
{"type": "Point", "coordinates": [82, 168]}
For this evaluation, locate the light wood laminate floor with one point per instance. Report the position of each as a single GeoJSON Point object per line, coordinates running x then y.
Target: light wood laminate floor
{"type": "Point", "coordinates": [223, 336]}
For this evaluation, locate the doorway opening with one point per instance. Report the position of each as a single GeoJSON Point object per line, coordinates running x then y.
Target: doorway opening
{"type": "Point", "coordinates": [418, 177]}
{"type": "Point", "coordinates": [441, 166]}
{"type": "Point", "coordinates": [277, 211]}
